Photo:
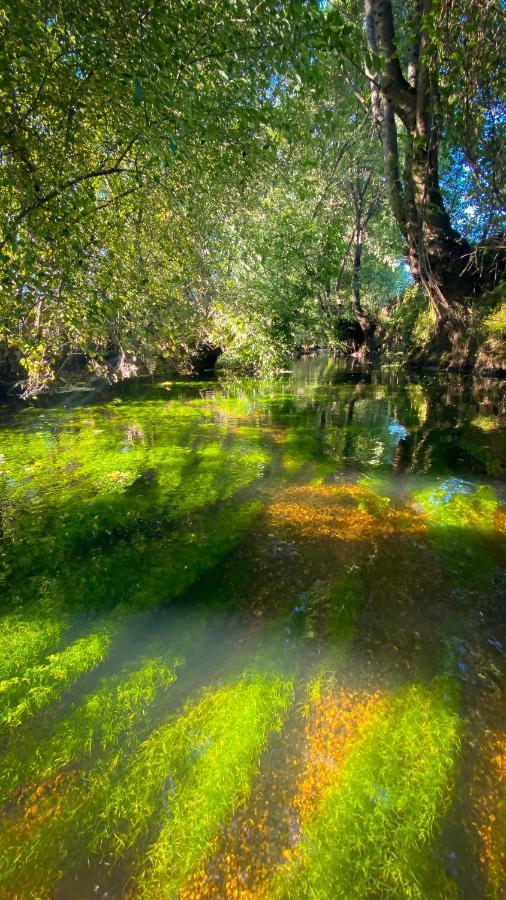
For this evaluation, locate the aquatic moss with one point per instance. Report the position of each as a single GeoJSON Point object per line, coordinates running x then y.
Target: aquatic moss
{"type": "Point", "coordinates": [26, 694]}
{"type": "Point", "coordinates": [374, 831]}
{"type": "Point", "coordinates": [191, 773]}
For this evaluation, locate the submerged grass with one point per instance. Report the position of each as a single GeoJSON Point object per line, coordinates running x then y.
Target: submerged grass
{"type": "Point", "coordinates": [25, 695]}
{"type": "Point", "coordinates": [335, 720]}
{"type": "Point", "coordinates": [95, 724]}
{"type": "Point", "coordinates": [464, 521]}
{"type": "Point", "coordinates": [374, 831]}
{"type": "Point", "coordinates": [112, 481]}
{"type": "Point", "coordinates": [77, 765]}
{"type": "Point", "coordinates": [191, 774]}
{"type": "Point", "coordinates": [27, 635]}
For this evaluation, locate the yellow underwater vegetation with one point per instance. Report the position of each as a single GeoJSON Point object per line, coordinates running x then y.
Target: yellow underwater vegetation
{"type": "Point", "coordinates": [24, 695]}
{"type": "Point", "coordinates": [28, 634]}
{"type": "Point", "coordinates": [69, 778]}
{"type": "Point", "coordinates": [264, 833]}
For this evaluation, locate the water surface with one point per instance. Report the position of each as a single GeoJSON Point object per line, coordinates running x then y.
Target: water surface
{"type": "Point", "coordinates": [253, 638]}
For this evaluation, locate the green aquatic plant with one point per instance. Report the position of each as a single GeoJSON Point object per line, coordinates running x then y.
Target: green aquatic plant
{"type": "Point", "coordinates": [27, 635]}
{"type": "Point", "coordinates": [459, 504]}
{"type": "Point", "coordinates": [190, 774]}
{"type": "Point", "coordinates": [114, 480]}
{"type": "Point", "coordinates": [461, 518]}
{"type": "Point", "coordinates": [373, 501]}
{"type": "Point", "coordinates": [93, 726]}
{"type": "Point", "coordinates": [86, 750]}
{"type": "Point", "coordinates": [25, 695]}
{"type": "Point", "coordinates": [300, 445]}
{"type": "Point", "coordinates": [172, 566]}
{"type": "Point", "coordinates": [374, 831]}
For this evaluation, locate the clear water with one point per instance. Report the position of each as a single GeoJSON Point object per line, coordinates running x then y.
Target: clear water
{"type": "Point", "coordinates": [253, 638]}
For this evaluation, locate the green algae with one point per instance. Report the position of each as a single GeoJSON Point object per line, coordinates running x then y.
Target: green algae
{"type": "Point", "coordinates": [375, 830]}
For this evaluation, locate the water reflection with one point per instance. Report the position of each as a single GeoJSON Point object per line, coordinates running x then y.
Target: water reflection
{"type": "Point", "coordinates": [253, 638]}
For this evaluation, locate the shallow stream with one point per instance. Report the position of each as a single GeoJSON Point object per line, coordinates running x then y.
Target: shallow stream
{"type": "Point", "coordinates": [252, 638]}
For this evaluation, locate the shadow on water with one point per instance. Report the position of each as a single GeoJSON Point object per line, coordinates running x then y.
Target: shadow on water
{"type": "Point", "coordinates": [253, 638]}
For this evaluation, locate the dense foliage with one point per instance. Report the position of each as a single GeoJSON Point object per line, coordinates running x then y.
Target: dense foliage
{"type": "Point", "coordinates": [175, 176]}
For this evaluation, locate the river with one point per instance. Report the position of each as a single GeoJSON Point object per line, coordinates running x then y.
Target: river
{"type": "Point", "coordinates": [253, 638]}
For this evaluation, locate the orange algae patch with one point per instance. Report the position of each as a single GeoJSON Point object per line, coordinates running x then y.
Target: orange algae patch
{"type": "Point", "coordinates": [335, 722]}
{"type": "Point", "coordinates": [266, 834]}
{"type": "Point", "coordinates": [490, 798]}
{"type": "Point", "coordinates": [500, 520]}
{"type": "Point", "coordinates": [41, 804]}
{"type": "Point", "coordinates": [349, 512]}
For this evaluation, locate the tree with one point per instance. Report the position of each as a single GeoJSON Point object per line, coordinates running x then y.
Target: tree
{"type": "Point", "coordinates": [440, 259]}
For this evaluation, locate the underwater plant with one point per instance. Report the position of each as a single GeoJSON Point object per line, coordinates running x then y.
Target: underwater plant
{"type": "Point", "coordinates": [374, 829]}
{"type": "Point", "coordinates": [191, 774]}
{"type": "Point", "coordinates": [295, 774]}
{"type": "Point", "coordinates": [26, 694]}
{"type": "Point", "coordinates": [76, 770]}
{"type": "Point", "coordinates": [463, 518]}
{"type": "Point", "coordinates": [460, 504]}
{"type": "Point", "coordinates": [28, 634]}
{"type": "Point", "coordinates": [90, 728]}
{"type": "Point", "coordinates": [114, 481]}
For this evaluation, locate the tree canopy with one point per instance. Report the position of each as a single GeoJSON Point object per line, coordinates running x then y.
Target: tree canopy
{"type": "Point", "coordinates": [254, 177]}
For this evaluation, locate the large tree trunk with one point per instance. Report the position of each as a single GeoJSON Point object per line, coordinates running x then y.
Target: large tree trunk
{"type": "Point", "coordinates": [439, 258]}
